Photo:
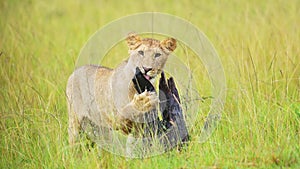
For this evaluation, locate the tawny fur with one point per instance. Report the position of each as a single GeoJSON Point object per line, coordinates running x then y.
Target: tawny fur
{"type": "Point", "coordinates": [107, 96]}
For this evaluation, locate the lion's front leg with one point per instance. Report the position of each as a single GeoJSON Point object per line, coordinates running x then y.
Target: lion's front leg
{"type": "Point", "coordinates": [140, 104]}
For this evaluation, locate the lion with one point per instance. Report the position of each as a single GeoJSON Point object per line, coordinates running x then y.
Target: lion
{"type": "Point", "coordinates": [107, 96]}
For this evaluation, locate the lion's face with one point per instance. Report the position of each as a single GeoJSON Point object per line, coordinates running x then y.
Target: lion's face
{"type": "Point", "coordinates": [150, 55]}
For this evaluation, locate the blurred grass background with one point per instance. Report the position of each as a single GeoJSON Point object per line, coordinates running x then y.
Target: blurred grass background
{"type": "Point", "coordinates": [258, 43]}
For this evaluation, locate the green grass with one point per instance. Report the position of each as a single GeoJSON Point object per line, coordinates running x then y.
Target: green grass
{"type": "Point", "coordinates": [258, 43]}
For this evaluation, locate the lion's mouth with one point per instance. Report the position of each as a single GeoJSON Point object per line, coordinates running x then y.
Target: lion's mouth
{"type": "Point", "coordinates": [148, 73]}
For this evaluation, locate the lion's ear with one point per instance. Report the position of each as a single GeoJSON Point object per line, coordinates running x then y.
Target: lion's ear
{"type": "Point", "coordinates": [168, 45]}
{"type": "Point", "coordinates": [133, 41]}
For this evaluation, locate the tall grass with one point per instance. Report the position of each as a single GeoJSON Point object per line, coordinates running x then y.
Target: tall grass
{"type": "Point", "coordinates": [258, 43]}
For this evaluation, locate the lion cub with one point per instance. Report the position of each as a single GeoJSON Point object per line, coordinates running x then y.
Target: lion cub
{"type": "Point", "coordinates": [107, 96]}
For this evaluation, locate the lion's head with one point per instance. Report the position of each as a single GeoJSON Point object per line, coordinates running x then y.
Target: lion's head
{"type": "Point", "coordinates": [150, 55]}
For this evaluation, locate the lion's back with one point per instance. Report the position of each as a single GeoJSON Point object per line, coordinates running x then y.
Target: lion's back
{"type": "Point", "coordinates": [85, 77]}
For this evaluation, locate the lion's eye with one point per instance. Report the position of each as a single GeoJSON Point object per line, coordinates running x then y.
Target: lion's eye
{"type": "Point", "coordinates": [157, 55]}
{"type": "Point", "coordinates": [141, 52]}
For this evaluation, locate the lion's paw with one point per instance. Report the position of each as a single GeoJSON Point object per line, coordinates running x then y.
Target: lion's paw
{"type": "Point", "coordinates": [145, 101]}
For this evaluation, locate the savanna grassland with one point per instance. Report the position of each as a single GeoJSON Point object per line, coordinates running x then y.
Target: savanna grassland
{"type": "Point", "coordinates": [258, 44]}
